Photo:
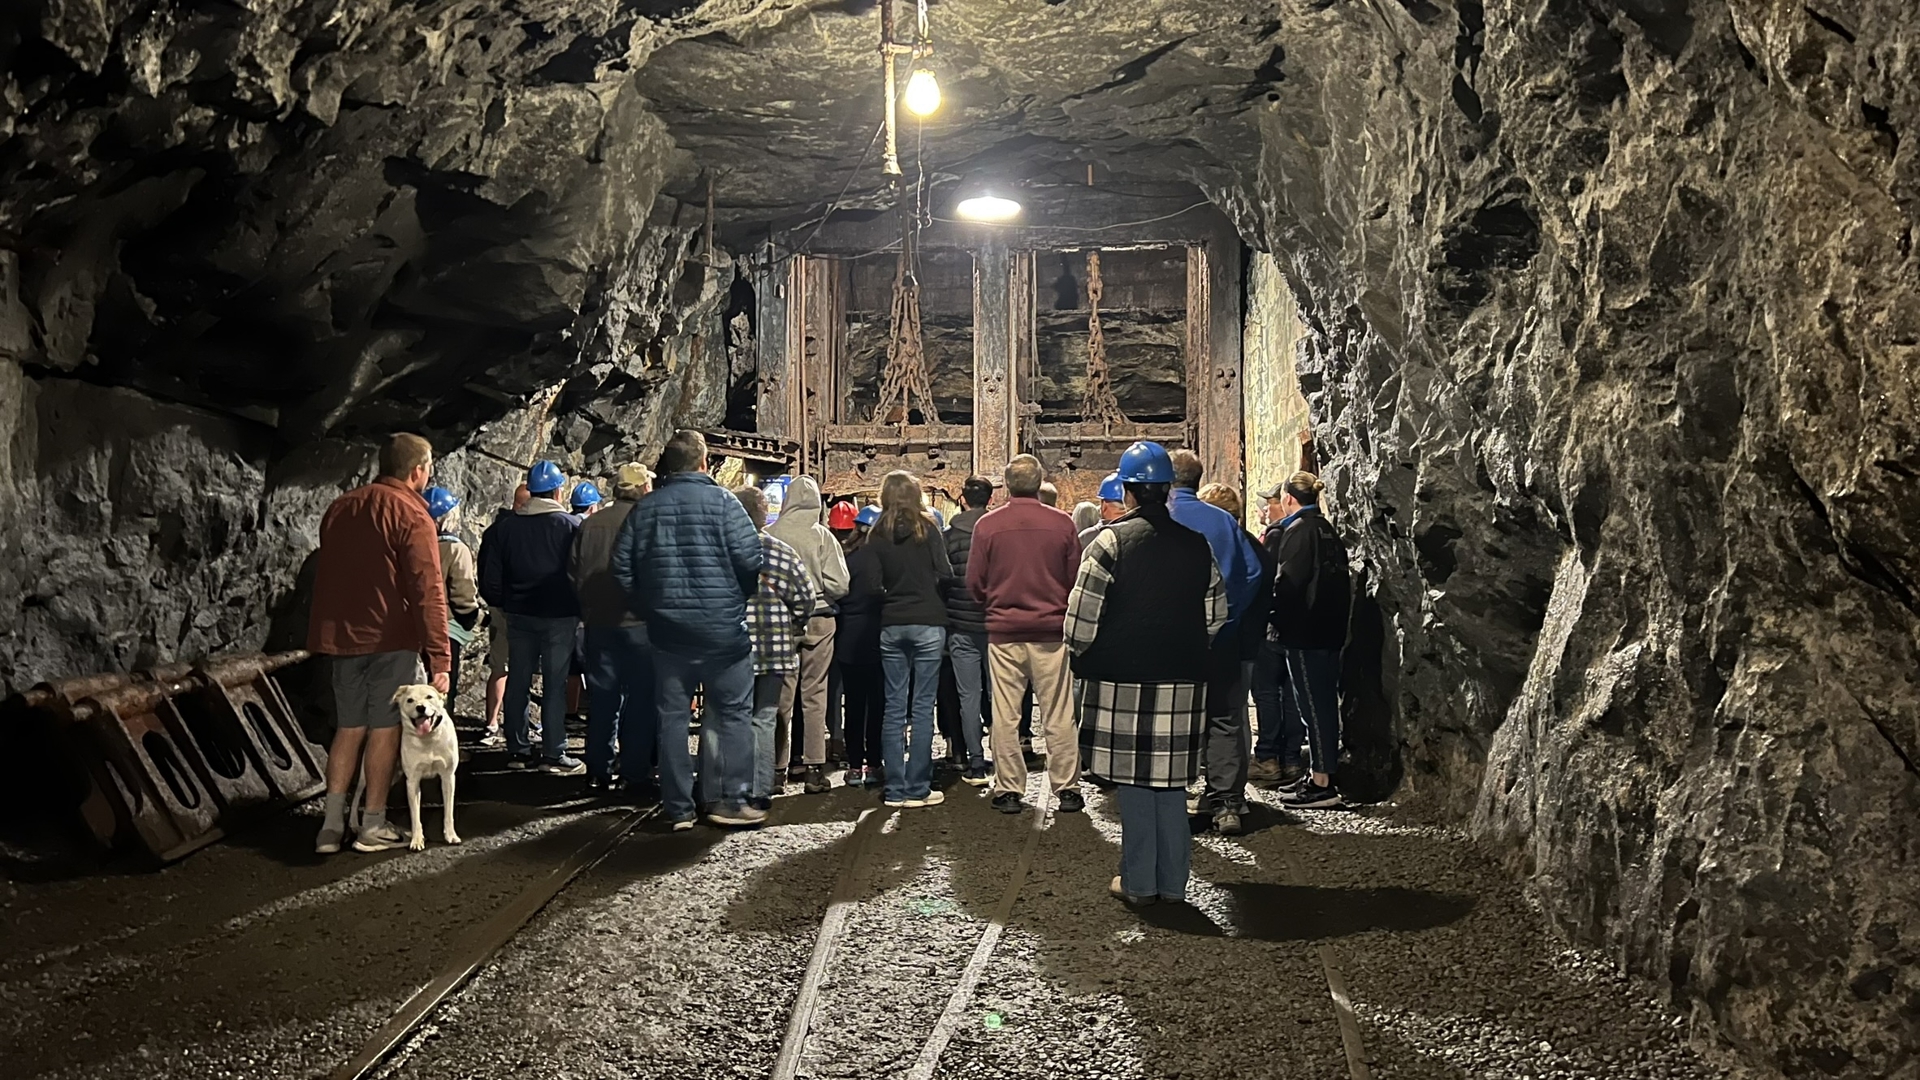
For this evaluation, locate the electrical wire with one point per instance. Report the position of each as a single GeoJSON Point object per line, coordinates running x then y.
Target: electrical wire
{"type": "Point", "coordinates": [1075, 228]}
{"type": "Point", "coordinates": [837, 200]}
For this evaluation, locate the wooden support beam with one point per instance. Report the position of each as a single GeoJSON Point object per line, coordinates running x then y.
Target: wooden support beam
{"type": "Point", "coordinates": [1055, 219]}
{"type": "Point", "coordinates": [792, 391]}
{"type": "Point", "coordinates": [1022, 307]}
{"type": "Point", "coordinates": [770, 346]}
{"type": "Point", "coordinates": [993, 416]}
{"type": "Point", "coordinates": [1213, 357]}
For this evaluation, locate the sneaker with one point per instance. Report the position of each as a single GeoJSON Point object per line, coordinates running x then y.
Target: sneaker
{"type": "Point", "coordinates": [563, 766]}
{"type": "Point", "coordinates": [932, 798]}
{"type": "Point", "coordinates": [521, 761]}
{"type": "Point", "coordinates": [1071, 801]}
{"type": "Point", "coordinates": [1226, 822]}
{"type": "Point", "coordinates": [1293, 774]}
{"type": "Point", "coordinates": [816, 780]}
{"type": "Point", "coordinates": [897, 803]}
{"type": "Point", "coordinates": [682, 824]}
{"type": "Point", "coordinates": [978, 775]}
{"type": "Point", "coordinates": [1263, 772]}
{"type": "Point", "coordinates": [382, 837]}
{"type": "Point", "coordinates": [740, 816]}
{"type": "Point", "coordinates": [1294, 783]}
{"type": "Point", "coordinates": [328, 842]}
{"type": "Point", "coordinates": [1312, 797]}
{"type": "Point", "coordinates": [1125, 897]}
{"type": "Point", "coordinates": [1007, 802]}
{"type": "Point", "coordinates": [493, 737]}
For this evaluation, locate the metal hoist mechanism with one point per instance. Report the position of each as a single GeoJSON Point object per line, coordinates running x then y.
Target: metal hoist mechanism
{"type": "Point", "coordinates": [1098, 405]}
{"type": "Point", "coordinates": [905, 379]}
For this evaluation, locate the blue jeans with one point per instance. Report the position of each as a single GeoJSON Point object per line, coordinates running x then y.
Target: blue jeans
{"type": "Point", "coordinates": [620, 703]}
{"type": "Point", "coordinates": [726, 735]}
{"type": "Point", "coordinates": [910, 658]}
{"type": "Point", "coordinates": [766, 717]}
{"type": "Point", "coordinates": [969, 652]}
{"type": "Point", "coordinates": [1156, 844]}
{"type": "Point", "coordinates": [546, 646]}
{"type": "Point", "coordinates": [1281, 733]}
{"type": "Point", "coordinates": [1313, 684]}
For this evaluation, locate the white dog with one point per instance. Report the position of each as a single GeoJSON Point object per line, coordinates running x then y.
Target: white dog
{"type": "Point", "coordinates": [428, 747]}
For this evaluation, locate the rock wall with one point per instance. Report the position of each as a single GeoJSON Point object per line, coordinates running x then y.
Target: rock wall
{"type": "Point", "coordinates": [1615, 366]}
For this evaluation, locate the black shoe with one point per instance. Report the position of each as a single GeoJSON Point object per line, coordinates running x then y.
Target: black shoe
{"type": "Point", "coordinates": [1007, 802]}
{"type": "Point", "coordinates": [599, 785]}
{"type": "Point", "coordinates": [1071, 801]}
{"type": "Point", "coordinates": [1227, 823]}
{"type": "Point", "coordinates": [816, 780]}
{"type": "Point", "coordinates": [1312, 797]}
{"type": "Point", "coordinates": [522, 761]}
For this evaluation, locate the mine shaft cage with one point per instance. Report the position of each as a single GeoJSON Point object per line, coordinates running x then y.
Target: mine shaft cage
{"type": "Point", "coordinates": [802, 350]}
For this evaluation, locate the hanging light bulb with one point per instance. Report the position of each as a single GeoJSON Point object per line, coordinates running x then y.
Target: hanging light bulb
{"type": "Point", "coordinates": [923, 93]}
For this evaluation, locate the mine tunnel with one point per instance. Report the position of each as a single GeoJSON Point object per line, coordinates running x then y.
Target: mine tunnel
{"type": "Point", "coordinates": [1493, 429]}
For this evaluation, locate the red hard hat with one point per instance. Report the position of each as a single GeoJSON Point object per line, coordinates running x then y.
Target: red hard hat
{"type": "Point", "coordinates": [841, 516]}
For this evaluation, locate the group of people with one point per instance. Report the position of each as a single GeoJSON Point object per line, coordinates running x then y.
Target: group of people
{"type": "Point", "coordinates": [1130, 634]}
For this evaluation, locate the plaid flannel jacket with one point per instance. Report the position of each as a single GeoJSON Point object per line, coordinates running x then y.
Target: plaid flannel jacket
{"type": "Point", "coordinates": [777, 614]}
{"type": "Point", "coordinates": [1147, 734]}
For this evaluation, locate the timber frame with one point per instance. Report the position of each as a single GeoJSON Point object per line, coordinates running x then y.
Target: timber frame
{"type": "Point", "coordinates": [802, 346]}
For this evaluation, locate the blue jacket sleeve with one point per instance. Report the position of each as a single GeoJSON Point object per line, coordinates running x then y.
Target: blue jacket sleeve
{"type": "Point", "coordinates": [743, 546]}
{"type": "Point", "coordinates": [1245, 583]}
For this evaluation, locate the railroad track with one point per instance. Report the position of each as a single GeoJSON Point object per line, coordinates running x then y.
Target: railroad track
{"type": "Point", "coordinates": [850, 889]}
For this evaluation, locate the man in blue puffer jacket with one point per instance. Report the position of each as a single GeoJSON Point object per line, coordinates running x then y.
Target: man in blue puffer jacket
{"type": "Point", "coordinates": [688, 557]}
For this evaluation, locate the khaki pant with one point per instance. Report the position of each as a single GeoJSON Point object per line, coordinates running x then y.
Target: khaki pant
{"type": "Point", "coordinates": [809, 685]}
{"type": "Point", "coordinates": [1011, 665]}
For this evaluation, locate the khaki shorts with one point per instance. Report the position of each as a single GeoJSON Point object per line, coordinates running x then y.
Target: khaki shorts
{"type": "Point", "coordinates": [363, 687]}
{"type": "Point", "coordinates": [496, 641]}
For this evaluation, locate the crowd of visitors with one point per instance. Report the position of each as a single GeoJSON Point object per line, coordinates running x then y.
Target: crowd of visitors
{"type": "Point", "coordinates": [819, 637]}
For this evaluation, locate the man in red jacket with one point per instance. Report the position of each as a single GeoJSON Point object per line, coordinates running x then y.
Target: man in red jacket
{"type": "Point", "coordinates": [379, 604]}
{"type": "Point", "coordinates": [1022, 566]}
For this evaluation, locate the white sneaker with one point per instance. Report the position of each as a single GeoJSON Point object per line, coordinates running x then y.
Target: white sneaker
{"type": "Point", "coordinates": [493, 737]}
{"type": "Point", "coordinates": [934, 798]}
{"type": "Point", "coordinates": [383, 837]}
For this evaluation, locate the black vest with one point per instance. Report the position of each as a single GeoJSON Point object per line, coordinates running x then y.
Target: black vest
{"type": "Point", "coordinates": [1153, 627]}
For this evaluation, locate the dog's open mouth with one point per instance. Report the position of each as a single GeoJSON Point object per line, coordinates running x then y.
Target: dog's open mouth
{"type": "Point", "coordinates": [423, 728]}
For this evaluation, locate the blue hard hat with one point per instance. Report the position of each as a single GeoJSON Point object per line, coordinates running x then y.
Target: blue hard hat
{"type": "Point", "coordinates": [939, 518]}
{"type": "Point", "coordinates": [585, 495]}
{"type": "Point", "coordinates": [545, 477]}
{"type": "Point", "coordinates": [1145, 463]}
{"type": "Point", "coordinates": [1111, 490]}
{"type": "Point", "coordinates": [439, 501]}
{"type": "Point", "coordinates": [867, 516]}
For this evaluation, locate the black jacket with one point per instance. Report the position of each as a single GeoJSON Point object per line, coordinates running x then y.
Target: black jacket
{"type": "Point", "coordinates": [1253, 628]}
{"type": "Point", "coordinates": [964, 611]}
{"type": "Point", "coordinates": [857, 638]}
{"type": "Point", "coordinates": [524, 561]}
{"type": "Point", "coordinates": [1153, 619]}
{"type": "Point", "coordinates": [915, 576]}
{"type": "Point", "coordinates": [1312, 594]}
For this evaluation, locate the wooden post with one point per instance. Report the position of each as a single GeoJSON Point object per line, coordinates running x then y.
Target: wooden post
{"type": "Point", "coordinates": [1021, 305]}
{"type": "Point", "coordinates": [1213, 357]}
{"type": "Point", "coordinates": [770, 346]}
{"type": "Point", "coordinates": [824, 329]}
{"type": "Point", "coordinates": [792, 407]}
{"type": "Point", "coordinates": [993, 426]}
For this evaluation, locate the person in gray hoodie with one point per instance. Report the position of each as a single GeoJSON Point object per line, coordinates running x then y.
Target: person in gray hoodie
{"type": "Point", "coordinates": [801, 526]}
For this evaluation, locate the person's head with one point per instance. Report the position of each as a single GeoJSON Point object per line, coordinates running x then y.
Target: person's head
{"type": "Point", "coordinates": [755, 502]}
{"type": "Point", "coordinates": [1085, 515]}
{"type": "Point", "coordinates": [1146, 474]}
{"type": "Point", "coordinates": [586, 498]}
{"type": "Point", "coordinates": [1025, 477]}
{"type": "Point", "coordinates": [976, 493]}
{"type": "Point", "coordinates": [632, 481]}
{"type": "Point", "coordinates": [903, 506]}
{"type": "Point", "coordinates": [1302, 489]}
{"type": "Point", "coordinates": [449, 522]}
{"type": "Point", "coordinates": [545, 480]}
{"type": "Point", "coordinates": [1049, 494]}
{"type": "Point", "coordinates": [407, 458]}
{"type": "Point", "coordinates": [1187, 469]}
{"type": "Point", "coordinates": [1113, 497]}
{"type": "Point", "coordinates": [1139, 495]}
{"type": "Point", "coordinates": [684, 453]}
{"type": "Point", "coordinates": [520, 496]}
{"type": "Point", "coordinates": [1220, 495]}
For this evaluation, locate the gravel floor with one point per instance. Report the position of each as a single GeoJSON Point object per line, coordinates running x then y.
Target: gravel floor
{"type": "Point", "coordinates": [681, 955]}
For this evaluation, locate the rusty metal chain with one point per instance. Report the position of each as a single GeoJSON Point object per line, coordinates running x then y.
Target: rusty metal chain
{"type": "Point", "coordinates": [1099, 404]}
{"type": "Point", "coordinates": [905, 377]}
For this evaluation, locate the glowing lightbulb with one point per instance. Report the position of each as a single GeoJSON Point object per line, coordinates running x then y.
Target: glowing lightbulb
{"type": "Point", "coordinates": [988, 208]}
{"type": "Point", "coordinates": [923, 93]}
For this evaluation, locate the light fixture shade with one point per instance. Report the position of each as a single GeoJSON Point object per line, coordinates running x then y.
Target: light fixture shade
{"type": "Point", "coordinates": [985, 207]}
{"type": "Point", "coordinates": [923, 93]}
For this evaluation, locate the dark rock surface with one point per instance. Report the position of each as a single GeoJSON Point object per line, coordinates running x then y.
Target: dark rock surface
{"type": "Point", "coordinates": [1614, 318]}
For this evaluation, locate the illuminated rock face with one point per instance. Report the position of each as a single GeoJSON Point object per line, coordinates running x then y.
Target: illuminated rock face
{"type": "Point", "coordinates": [1612, 319]}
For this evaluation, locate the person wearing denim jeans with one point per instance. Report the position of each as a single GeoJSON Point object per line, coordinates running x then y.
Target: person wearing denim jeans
{"type": "Point", "coordinates": [525, 559]}
{"type": "Point", "coordinates": [967, 632]}
{"type": "Point", "coordinates": [726, 738]}
{"type": "Point", "coordinates": [619, 654]}
{"type": "Point", "coordinates": [915, 576]}
{"type": "Point", "coordinates": [777, 624]}
{"type": "Point", "coordinates": [910, 659]}
{"type": "Point", "coordinates": [1277, 753]}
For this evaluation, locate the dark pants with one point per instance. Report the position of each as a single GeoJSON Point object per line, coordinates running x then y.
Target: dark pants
{"type": "Point", "coordinates": [946, 711]}
{"type": "Point", "coordinates": [1281, 733]}
{"type": "Point", "coordinates": [726, 729]}
{"type": "Point", "coordinates": [866, 702]}
{"type": "Point", "coordinates": [546, 646]}
{"type": "Point", "coordinates": [620, 703]}
{"type": "Point", "coordinates": [1313, 682]}
{"type": "Point", "coordinates": [1227, 735]}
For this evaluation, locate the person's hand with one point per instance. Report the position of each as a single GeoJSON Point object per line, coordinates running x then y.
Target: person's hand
{"type": "Point", "coordinates": [439, 682]}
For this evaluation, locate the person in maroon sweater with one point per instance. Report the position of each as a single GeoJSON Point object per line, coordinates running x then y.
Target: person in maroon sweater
{"type": "Point", "coordinates": [1024, 560]}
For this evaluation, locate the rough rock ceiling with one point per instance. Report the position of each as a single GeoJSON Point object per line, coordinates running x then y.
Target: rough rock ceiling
{"type": "Point", "coordinates": [783, 114]}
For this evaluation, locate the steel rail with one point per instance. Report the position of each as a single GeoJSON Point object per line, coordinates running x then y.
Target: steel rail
{"type": "Point", "coordinates": [846, 893]}
{"type": "Point", "coordinates": [488, 939]}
